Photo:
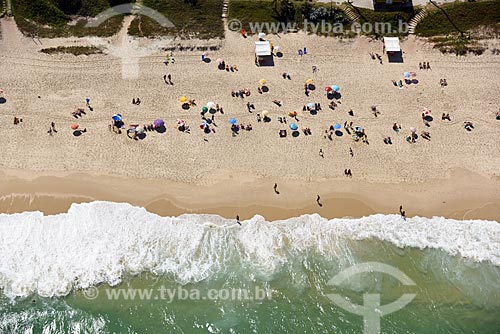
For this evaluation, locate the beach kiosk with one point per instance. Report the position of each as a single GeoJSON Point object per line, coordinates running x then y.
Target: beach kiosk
{"type": "Point", "coordinates": [393, 49]}
{"type": "Point", "coordinates": [263, 54]}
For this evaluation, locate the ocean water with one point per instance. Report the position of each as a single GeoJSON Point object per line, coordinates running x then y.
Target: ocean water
{"type": "Point", "coordinates": [114, 268]}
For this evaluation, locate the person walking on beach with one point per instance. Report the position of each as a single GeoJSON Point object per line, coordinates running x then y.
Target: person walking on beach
{"type": "Point", "coordinates": [53, 126]}
{"type": "Point", "coordinates": [276, 189]}
{"type": "Point", "coordinates": [351, 151]}
{"type": "Point", "coordinates": [321, 153]}
{"type": "Point", "coordinates": [318, 201]}
{"type": "Point", "coordinates": [402, 212]}
{"type": "Point", "coordinates": [238, 220]}
{"type": "Point", "coordinates": [169, 77]}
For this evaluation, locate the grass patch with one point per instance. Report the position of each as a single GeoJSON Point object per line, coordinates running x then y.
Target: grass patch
{"type": "Point", "coordinates": [74, 50]}
{"type": "Point", "coordinates": [458, 45]}
{"type": "Point", "coordinates": [52, 18]}
{"type": "Point", "coordinates": [249, 12]}
{"type": "Point", "coordinates": [195, 19]}
{"type": "Point", "coordinates": [465, 15]}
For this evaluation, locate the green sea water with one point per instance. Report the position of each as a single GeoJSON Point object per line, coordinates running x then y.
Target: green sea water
{"type": "Point", "coordinates": [453, 295]}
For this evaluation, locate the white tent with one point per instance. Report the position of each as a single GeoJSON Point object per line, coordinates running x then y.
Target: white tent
{"type": "Point", "coordinates": [391, 44]}
{"type": "Point", "coordinates": [262, 48]}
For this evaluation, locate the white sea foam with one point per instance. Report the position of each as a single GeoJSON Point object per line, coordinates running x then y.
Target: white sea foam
{"type": "Point", "coordinates": [101, 241]}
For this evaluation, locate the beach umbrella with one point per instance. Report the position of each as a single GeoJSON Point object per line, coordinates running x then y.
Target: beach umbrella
{"type": "Point", "coordinates": [426, 111]}
{"type": "Point", "coordinates": [293, 126]}
{"type": "Point", "coordinates": [335, 88]}
{"type": "Point", "coordinates": [262, 35]}
{"type": "Point", "coordinates": [158, 123]}
{"type": "Point", "coordinates": [204, 109]}
{"type": "Point", "coordinates": [358, 129]}
{"type": "Point", "coordinates": [262, 81]}
{"type": "Point", "coordinates": [139, 129]}
{"type": "Point", "coordinates": [1, 91]}
{"type": "Point", "coordinates": [205, 54]}
{"type": "Point", "coordinates": [180, 121]}
{"type": "Point", "coordinates": [413, 130]}
{"type": "Point", "coordinates": [183, 99]}
{"type": "Point", "coordinates": [337, 126]}
{"type": "Point", "coordinates": [116, 117]}
{"type": "Point", "coordinates": [292, 113]}
{"type": "Point", "coordinates": [328, 88]}
{"type": "Point", "coordinates": [406, 74]}
{"type": "Point", "coordinates": [277, 48]}
{"type": "Point", "coordinates": [265, 113]}
{"type": "Point", "coordinates": [204, 124]}
{"type": "Point", "coordinates": [87, 100]}
{"type": "Point", "coordinates": [232, 121]}
{"type": "Point", "coordinates": [74, 126]}
{"type": "Point", "coordinates": [309, 81]}
{"type": "Point", "coordinates": [219, 60]}
{"type": "Point", "coordinates": [311, 105]}
{"type": "Point", "coordinates": [210, 105]}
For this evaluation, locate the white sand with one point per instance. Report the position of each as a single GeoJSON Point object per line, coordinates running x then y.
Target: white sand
{"type": "Point", "coordinates": [64, 81]}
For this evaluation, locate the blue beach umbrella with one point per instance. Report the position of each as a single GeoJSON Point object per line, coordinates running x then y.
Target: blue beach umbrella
{"type": "Point", "coordinates": [294, 126]}
{"type": "Point", "coordinates": [311, 105]}
{"type": "Point", "coordinates": [335, 88]}
{"type": "Point", "coordinates": [406, 74]}
{"type": "Point", "coordinates": [337, 126]}
{"type": "Point", "coordinates": [232, 121]}
{"type": "Point", "coordinates": [117, 117]}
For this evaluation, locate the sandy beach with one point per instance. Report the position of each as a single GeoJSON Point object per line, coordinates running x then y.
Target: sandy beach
{"type": "Point", "coordinates": [455, 174]}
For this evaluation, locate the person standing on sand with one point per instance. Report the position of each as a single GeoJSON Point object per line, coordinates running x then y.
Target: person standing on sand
{"type": "Point", "coordinates": [351, 152]}
{"type": "Point", "coordinates": [318, 201]}
{"type": "Point", "coordinates": [321, 153]}
{"type": "Point", "coordinates": [276, 189]}
{"type": "Point", "coordinates": [238, 220]}
{"type": "Point", "coordinates": [402, 212]}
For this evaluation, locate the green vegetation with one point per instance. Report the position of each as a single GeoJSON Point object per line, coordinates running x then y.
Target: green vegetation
{"type": "Point", "coordinates": [465, 15]}
{"type": "Point", "coordinates": [263, 11]}
{"type": "Point", "coordinates": [458, 26]}
{"type": "Point", "coordinates": [52, 18]}
{"type": "Point", "coordinates": [459, 45]}
{"type": "Point", "coordinates": [193, 18]}
{"type": "Point", "coordinates": [75, 50]}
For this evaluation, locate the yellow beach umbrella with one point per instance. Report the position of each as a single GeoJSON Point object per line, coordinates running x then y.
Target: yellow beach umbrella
{"type": "Point", "coordinates": [262, 81]}
{"type": "Point", "coordinates": [183, 99]}
{"type": "Point", "coordinates": [265, 113]}
{"type": "Point", "coordinates": [309, 81]}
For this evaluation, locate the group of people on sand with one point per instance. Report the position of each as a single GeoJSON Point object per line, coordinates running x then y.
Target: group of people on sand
{"type": "Point", "coordinates": [79, 112]}
{"type": "Point", "coordinates": [443, 82]}
{"type": "Point", "coordinates": [167, 78]}
{"type": "Point", "coordinates": [376, 56]}
{"type": "Point", "coordinates": [332, 105]}
{"type": "Point", "coordinates": [17, 120]}
{"type": "Point", "coordinates": [136, 101]}
{"type": "Point", "coordinates": [445, 117]}
{"type": "Point", "coordinates": [245, 92]}
{"type": "Point", "coordinates": [424, 66]}
{"type": "Point", "coordinates": [317, 107]}
{"type": "Point", "coordinates": [348, 173]}
{"type": "Point", "coordinates": [286, 76]}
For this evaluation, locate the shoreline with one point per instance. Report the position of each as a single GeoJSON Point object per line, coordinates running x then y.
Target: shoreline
{"type": "Point", "coordinates": [461, 195]}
